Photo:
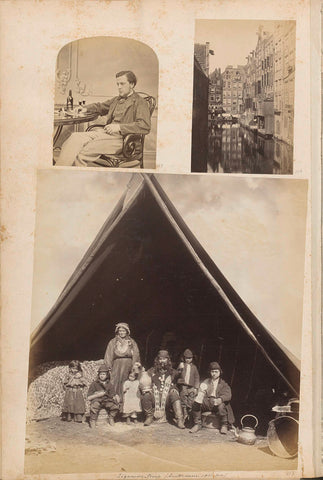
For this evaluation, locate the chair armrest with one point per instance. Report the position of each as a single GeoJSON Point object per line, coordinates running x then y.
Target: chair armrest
{"type": "Point", "coordinates": [132, 145]}
{"type": "Point", "coordinates": [94, 126]}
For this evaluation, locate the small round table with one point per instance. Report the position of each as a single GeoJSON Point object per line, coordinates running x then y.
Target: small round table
{"type": "Point", "coordinates": [59, 122]}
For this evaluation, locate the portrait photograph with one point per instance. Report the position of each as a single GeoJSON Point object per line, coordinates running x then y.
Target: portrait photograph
{"type": "Point", "coordinates": [166, 323]}
{"type": "Point", "coordinates": [106, 91]}
{"type": "Point", "coordinates": [243, 105]}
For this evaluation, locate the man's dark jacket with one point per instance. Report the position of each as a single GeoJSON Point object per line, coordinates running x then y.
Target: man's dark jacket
{"type": "Point", "coordinates": [223, 391]}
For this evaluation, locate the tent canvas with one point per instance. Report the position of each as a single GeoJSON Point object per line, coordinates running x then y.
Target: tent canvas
{"type": "Point", "coordinates": [146, 267]}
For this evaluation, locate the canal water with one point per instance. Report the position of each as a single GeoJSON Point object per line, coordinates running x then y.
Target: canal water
{"type": "Point", "coordinates": [234, 149]}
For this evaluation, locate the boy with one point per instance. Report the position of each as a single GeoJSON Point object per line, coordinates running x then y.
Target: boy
{"type": "Point", "coordinates": [102, 394]}
{"type": "Point", "coordinates": [188, 382]}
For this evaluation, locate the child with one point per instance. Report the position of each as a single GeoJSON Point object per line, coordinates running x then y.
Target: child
{"type": "Point", "coordinates": [74, 405]}
{"type": "Point", "coordinates": [188, 382]}
{"type": "Point", "coordinates": [131, 398]}
{"type": "Point", "coordinates": [102, 394]}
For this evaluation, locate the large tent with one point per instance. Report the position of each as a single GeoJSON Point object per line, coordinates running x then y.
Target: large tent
{"type": "Point", "coordinates": [145, 267]}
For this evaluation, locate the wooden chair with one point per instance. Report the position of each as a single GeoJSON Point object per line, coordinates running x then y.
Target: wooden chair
{"type": "Point", "coordinates": [133, 145]}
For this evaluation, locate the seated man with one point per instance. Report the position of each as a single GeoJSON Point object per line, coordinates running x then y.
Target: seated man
{"type": "Point", "coordinates": [163, 393]}
{"type": "Point", "coordinates": [214, 396]}
{"type": "Point", "coordinates": [127, 113]}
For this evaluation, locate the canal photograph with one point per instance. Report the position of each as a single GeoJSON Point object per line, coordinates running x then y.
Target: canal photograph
{"type": "Point", "coordinates": [243, 96]}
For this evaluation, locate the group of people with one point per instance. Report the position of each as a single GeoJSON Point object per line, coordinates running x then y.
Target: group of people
{"type": "Point", "coordinates": [162, 392]}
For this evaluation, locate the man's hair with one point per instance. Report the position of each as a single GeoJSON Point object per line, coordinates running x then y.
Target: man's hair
{"type": "Point", "coordinates": [131, 77]}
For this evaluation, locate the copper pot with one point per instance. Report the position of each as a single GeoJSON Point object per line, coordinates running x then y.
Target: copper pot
{"type": "Point", "coordinates": [145, 382]}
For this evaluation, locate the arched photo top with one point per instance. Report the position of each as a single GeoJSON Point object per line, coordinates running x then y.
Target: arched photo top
{"type": "Point", "coordinates": [90, 65]}
{"type": "Point", "coordinates": [86, 72]}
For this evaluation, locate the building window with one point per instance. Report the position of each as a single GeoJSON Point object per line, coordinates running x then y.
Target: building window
{"type": "Point", "coordinates": [259, 86]}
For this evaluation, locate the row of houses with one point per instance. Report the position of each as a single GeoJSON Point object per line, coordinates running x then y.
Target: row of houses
{"type": "Point", "coordinates": [262, 90]}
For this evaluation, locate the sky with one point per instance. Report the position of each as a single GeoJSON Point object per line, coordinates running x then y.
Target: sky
{"type": "Point", "coordinates": [253, 229]}
{"type": "Point", "coordinates": [231, 40]}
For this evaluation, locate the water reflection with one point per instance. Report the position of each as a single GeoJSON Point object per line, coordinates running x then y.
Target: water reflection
{"type": "Point", "coordinates": [234, 149]}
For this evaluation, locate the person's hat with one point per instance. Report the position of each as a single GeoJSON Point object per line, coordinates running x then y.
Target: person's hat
{"type": "Point", "coordinates": [122, 325]}
{"type": "Point", "coordinates": [163, 354]}
{"type": "Point", "coordinates": [187, 353]}
{"type": "Point", "coordinates": [104, 368]}
{"type": "Point", "coordinates": [215, 366]}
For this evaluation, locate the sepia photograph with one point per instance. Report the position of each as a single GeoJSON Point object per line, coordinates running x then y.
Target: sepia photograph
{"type": "Point", "coordinates": [243, 100]}
{"type": "Point", "coordinates": [166, 323]}
{"type": "Point", "coordinates": [105, 115]}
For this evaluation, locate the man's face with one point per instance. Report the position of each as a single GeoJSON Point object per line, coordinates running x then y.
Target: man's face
{"type": "Point", "coordinates": [188, 359]}
{"type": "Point", "coordinates": [215, 374]}
{"type": "Point", "coordinates": [163, 361]}
{"type": "Point", "coordinates": [124, 87]}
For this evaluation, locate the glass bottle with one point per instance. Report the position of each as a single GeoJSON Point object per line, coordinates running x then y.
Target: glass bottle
{"type": "Point", "coordinates": [69, 101]}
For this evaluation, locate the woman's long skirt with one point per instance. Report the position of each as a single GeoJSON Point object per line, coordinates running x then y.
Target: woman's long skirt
{"type": "Point", "coordinates": [120, 372]}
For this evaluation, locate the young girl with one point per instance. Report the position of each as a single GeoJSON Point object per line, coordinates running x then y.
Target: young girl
{"type": "Point", "coordinates": [131, 398]}
{"type": "Point", "coordinates": [74, 405]}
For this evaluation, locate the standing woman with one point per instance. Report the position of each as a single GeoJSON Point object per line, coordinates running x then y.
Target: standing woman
{"type": "Point", "coordinates": [121, 354]}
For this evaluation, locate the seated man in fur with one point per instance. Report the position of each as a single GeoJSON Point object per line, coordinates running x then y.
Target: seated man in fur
{"type": "Point", "coordinates": [162, 394]}
{"type": "Point", "coordinates": [214, 396]}
{"type": "Point", "coordinates": [127, 113]}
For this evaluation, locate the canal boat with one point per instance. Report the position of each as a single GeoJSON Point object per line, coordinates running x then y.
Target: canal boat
{"type": "Point", "coordinates": [226, 118]}
{"type": "Point", "coordinates": [252, 126]}
{"type": "Point", "coordinates": [262, 132]}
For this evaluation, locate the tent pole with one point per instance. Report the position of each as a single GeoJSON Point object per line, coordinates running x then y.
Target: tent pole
{"type": "Point", "coordinates": [235, 360]}
{"type": "Point", "coordinates": [201, 355]}
{"type": "Point", "coordinates": [146, 346]}
{"type": "Point", "coordinates": [220, 352]}
{"type": "Point", "coordinates": [252, 372]}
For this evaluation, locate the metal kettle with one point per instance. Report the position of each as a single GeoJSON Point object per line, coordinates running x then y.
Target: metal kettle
{"type": "Point", "coordinates": [247, 435]}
